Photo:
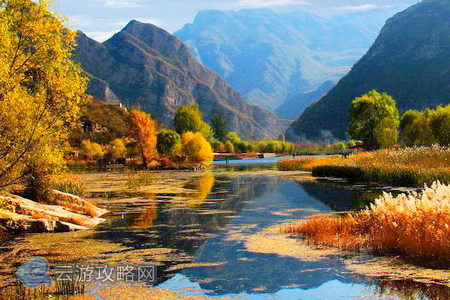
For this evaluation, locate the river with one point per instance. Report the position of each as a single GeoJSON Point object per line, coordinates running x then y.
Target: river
{"type": "Point", "coordinates": [212, 234]}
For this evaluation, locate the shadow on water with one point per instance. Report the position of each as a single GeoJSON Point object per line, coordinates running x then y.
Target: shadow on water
{"type": "Point", "coordinates": [199, 219]}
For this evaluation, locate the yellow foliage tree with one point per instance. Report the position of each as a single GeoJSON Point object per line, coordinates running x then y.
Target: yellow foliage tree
{"type": "Point", "coordinates": [196, 149]}
{"type": "Point", "coordinates": [41, 90]}
{"type": "Point", "coordinates": [143, 131]}
{"type": "Point", "coordinates": [119, 150]}
{"type": "Point", "coordinates": [92, 150]}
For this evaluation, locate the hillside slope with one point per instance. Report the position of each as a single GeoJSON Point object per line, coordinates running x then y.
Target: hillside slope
{"type": "Point", "coordinates": [270, 56]}
{"type": "Point", "coordinates": [146, 67]}
{"type": "Point", "coordinates": [409, 60]}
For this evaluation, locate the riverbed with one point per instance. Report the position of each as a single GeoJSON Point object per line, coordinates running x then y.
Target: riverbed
{"type": "Point", "coordinates": [213, 234]}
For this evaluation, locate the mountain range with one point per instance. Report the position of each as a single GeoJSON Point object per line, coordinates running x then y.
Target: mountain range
{"type": "Point", "coordinates": [409, 60]}
{"type": "Point", "coordinates": [295, 106]}
{"type": "Point", "coordinates": [270, 57]}
{"type": "Point", "coordinates": [145, 67]}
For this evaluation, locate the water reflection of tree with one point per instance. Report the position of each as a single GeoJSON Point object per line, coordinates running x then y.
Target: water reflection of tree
{"type": "Point", "coordinates": [148, 217]}
{"type": "Point", "coordinates": [408, 289]}
{"type": "Point", "coordinates": [340, 197]}
{"type": "Point", "coordinates": [199, 189]}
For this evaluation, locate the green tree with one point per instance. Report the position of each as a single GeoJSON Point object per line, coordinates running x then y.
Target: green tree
{"type": "Point", "coordinates": [440, 125]}
{"type": "Point", "coordinates": [41, 90]}
{"type": "Point", "coordinates": [169, 143]}
{"type": "Point", "coordinates": [368, 113]}
{"type": "Point", "coordinates": [408, 123]}
{"type": "Point", "coordinates": [229, 147]}
{"type": "Point", "coordinates": [386, 133]}
{"type": "Point", "coordinates": [233, 137]}
{"type": "Point", "coordinates": [189, 119]}
{"type": "Point", "coordinates": [272, 147]}
{"type": "Point", "coordinates": [262, 146]}
{"type": "Point", "coordinates": [219, 125]}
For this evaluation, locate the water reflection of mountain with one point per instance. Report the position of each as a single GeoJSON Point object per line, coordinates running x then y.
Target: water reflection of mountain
{"type": "Point", "coordinates": [249, 272]}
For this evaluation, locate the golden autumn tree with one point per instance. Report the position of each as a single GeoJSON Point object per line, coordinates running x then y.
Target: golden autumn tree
{"type": "Point", "coordinates": [41, 90]}
{"type": "Point", "coordinates": [196, 149]}
{"type": "Point", "coordinates": [142, 129]}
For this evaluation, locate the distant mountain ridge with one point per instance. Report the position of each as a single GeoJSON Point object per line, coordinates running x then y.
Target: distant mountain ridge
{"type": "Point", "coordinates": [409, 60]}
{"type": "Point", "coordinates": [146, 67]}
{"type": "Point", "coordinates": [295, 106]}
{"type": "Point", "coordinates": [270, 57]}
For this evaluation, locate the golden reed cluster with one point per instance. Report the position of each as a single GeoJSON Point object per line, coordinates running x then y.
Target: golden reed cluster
{"type": "Point", "coordinates": [404, 167]}
{"type": "Point", "coordinates": [413, 225]}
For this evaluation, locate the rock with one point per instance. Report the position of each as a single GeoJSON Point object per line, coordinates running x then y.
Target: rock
{"type": "Point", "coordinates": [22, 223]}
{"type": "Point", "coordinates": [4, 234]}
{"type": "Point", "coordinates": [77, 204]}
{"type": "Point", "coordinates": [66, 227]}
{"type": "Point", "coordinates": [50, 212]}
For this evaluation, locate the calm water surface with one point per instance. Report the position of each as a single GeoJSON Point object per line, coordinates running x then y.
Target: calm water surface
{"type": "Point", "coordinates": [204, 219]}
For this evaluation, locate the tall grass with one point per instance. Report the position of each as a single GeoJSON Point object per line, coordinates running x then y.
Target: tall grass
{"type": "Point", "coordinates": [305, 163]}
{"type": "Point", "coordinates": [68, 183]}
{"type": "Point", "coordinates": [413, 225]}
{"type": "Point", "coordinates": [405, 167]}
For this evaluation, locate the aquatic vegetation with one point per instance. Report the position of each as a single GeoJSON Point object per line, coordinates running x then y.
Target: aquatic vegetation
{"type": "Point", "coordinates": [413, 225]}
{"type": "Point", "coordinates": [405, 167]}
{"type": "Point", "coordinates": [68, 183]}
{"type": "Point", "coordinates": [305, 163]}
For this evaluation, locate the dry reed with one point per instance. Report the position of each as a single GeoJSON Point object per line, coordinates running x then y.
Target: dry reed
{"type": "Point", "coordinates": [413, 225]}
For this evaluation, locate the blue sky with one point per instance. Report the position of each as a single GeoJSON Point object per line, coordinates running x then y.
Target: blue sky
{"type": "Point", "coordinates": [100, 19]}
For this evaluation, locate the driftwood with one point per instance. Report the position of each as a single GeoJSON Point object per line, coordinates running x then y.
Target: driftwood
{"type": "Point", "coordinates": [72, 213]}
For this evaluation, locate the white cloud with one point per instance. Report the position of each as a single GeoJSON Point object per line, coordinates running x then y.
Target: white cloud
{"type": "Point", "coordinates": [153, 21]}
{"type": "Point", "coordinates": [121, 3]}
{"type": "Point", "coordinates": [101, 36]}
{"type": "Point", "coordinates": [75, 21]}
{"type": "Point", "coordinates": [270, 3]}
{"type": "Point", "coordinates": [364, 7]}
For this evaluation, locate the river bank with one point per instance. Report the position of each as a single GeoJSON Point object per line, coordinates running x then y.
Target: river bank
{"type": "Point", "coordinates": [203, 231]}
{"type": "Point", "coordinates": [412, 167]}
